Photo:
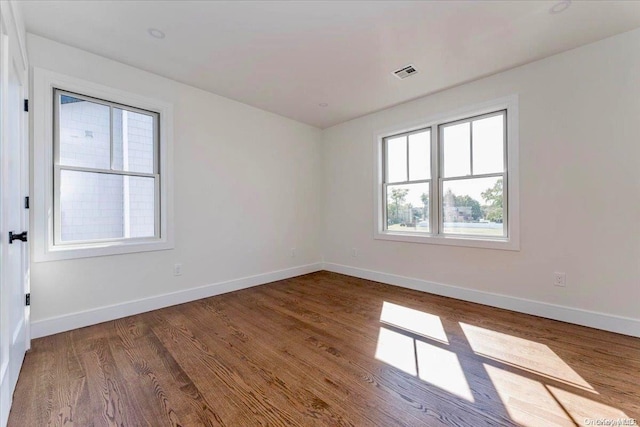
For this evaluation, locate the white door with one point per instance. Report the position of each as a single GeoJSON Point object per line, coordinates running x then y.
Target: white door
{"type": "Point", "coordinates": [14, 255]}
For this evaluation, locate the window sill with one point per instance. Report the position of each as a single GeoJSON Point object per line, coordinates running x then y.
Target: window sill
{"type": "Point", "coordinates": [90, 250]}
{"type": "Point", "coordinates": [463, 241]}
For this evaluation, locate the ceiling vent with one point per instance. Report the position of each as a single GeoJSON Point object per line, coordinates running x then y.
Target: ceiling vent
{"type": "Point", "coordinates": [405, 72]}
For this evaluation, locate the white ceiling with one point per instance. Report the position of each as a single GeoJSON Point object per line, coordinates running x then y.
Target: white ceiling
{"type": "Point", "coordinates": [290, 56]}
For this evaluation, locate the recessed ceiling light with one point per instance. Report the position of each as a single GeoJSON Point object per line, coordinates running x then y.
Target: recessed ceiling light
{"type": "Point", "coordinates": [560, 7]}
{"type": "Point", "coordinates": [323, 104]}
{"type": "Point", "coordinates": [156, 33]}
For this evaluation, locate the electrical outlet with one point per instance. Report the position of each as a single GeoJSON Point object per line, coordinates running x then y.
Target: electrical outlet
{"type": "Point", "coordinates": [293, 252]}
{"type": "Point", "coordinates": [354, 252]}
{"type": "Point", "coordinates": [177, 269]}
{"type": "Point", "coordinates": [560, 279]}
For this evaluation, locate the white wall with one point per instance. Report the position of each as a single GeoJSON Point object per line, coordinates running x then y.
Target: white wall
{"type": "Point", "coordinates": [579, 185]}
{"type": "Point", "coordinates": [247, 186]}
{"type": "Point", "coordinates": [250, 185]}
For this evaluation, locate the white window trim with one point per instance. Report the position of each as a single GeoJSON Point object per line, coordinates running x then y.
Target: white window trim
{"type": "Point", "coordinates": [512, 241]}
{"type": "Point", "coordinates": [44, 81]}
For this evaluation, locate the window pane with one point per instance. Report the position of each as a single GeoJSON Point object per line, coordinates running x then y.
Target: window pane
{"type": "Point", "coordinates": [456, 146]}
{"type": "Point", "coordinates": [397, 159]}
{"type": "Point", "coordinates": [473, 207]}
{"type": "Point", "coordinates": [84, 133]}
{"type": "Point", "coordinates": [139, 206]}
{"type": "Point", "coordinates": [133, 141]}
{"type": "Point", "coordinates": [408, 207]}
{"type": "Point", "coordinates": [488, 145]}
{"type": "Point", "coordinates": [91, 206]}
{"type": "Point", "coordinates": [420, 156]}
{"type": "Point", "coordinates": [103, 206]}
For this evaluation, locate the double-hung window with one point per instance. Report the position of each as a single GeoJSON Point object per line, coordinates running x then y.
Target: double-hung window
{"type": "Point", "coordinates": [451, 181]}
{"type": "Point", "coordinates": [101, 170]}
{"type": "Point", "coordinates": [107, 181]}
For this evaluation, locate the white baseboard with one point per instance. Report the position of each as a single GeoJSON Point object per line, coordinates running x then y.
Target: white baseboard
{"type": "Point", "coordinates": [607, 322]}
{"type": "Point", "coordinates": [67, 322]}
{"type": "Point", "coordinates": [6, 396]}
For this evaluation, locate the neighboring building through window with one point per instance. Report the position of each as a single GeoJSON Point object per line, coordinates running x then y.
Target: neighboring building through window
{"type": "Point", "coordinates": [448, 182]}
{"type": "Point", "coordinates": [106, 170]}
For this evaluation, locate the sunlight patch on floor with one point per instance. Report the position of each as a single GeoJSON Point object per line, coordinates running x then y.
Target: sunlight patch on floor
{"type": "Point", "coordinates": [418, 322]}
{"type": "Point", "coordinates": [430, 363]}
{"type": "Point", "coordinates": [442, 368]}
{"type": "Point", "coordinates": [523, 354]}
{"type": "Point", "coordinates": [527, 401]}
{"type": "Point", "coordinates": [520, 370]}
{"type": "Point", "coordinates": [397, 350]}
{"type": "Point", "coordinates": [581, 408]}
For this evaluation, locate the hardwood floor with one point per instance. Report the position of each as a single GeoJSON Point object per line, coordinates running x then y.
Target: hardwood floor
{"type": "Point", "coordinates": [313, 350]}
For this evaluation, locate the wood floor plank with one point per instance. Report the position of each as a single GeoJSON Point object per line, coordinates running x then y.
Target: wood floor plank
{"type": "Point", "coordinates": [312, 350]}
{"type": "Point", "coordinates": [360, 371]}
{"type": "Point", "coordinates": [271, 374]}
{"type": "Point", "coordinates": [251, 403]}
{"type": "Point", "coordinates": [145, 383]}
{"type": "Point", "coordinates": [307, 378]}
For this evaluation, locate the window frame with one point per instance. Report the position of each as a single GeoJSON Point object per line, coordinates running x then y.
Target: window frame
{"type": "Point", "coordinates": [436, 124]}
{"type": "Point", "coordinates": [46, 178]}
{"type": "Point", "coordinates": [385, 170]}
{"type": "Point", "coordinates": [504, 174]}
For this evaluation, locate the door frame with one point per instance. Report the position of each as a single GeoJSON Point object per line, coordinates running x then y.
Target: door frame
{"type": "Point", "coordinates": [13, 56]}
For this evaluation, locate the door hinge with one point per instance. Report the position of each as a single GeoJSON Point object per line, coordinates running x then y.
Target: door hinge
{"type": "Point", "coordinates": [26, 105]}
{"type": "Point", "coordinates": [17, 236]}
{"type": "Point", "coordinates": [27, 299]}
{"type": "Point", "coordinates": [26, 202]}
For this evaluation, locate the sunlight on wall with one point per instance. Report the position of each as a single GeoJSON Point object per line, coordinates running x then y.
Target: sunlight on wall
{"type": "Point", "coordinates": [524, 354]}
{"type": "Point", "coordinates": [418, 322]}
